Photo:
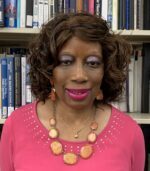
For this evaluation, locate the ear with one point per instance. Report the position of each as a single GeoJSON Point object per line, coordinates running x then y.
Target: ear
{"type": "Point", "coordinates": [51, 81]}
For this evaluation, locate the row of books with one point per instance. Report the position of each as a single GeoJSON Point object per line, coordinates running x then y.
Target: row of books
{"type": "Point", "coordinates": [15, 88]}
{"type": "Point", "coordinates": [136, 97]}
{"type": "Point", "coordinates": [120, 14]}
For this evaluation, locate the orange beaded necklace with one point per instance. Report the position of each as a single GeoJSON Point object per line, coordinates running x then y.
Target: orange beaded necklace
{"type": "Point", "coordinates": [71, 158]}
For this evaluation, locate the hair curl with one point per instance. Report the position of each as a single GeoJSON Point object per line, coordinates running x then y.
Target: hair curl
{"type": "Point", "coordinates": [54, 34]}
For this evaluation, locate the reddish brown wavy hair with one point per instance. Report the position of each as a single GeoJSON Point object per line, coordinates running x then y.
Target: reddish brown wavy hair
{"type": "Point", "coordinates": [54, 34]}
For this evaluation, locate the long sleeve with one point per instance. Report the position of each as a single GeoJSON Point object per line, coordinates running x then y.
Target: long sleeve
{"type": "Point", "coordinates": [138, 155]}
{"type": "Point", "coordinates": [6, 148]}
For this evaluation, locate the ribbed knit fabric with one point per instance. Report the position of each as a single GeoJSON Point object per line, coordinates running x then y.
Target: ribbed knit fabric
{"type": "Point", "coordinates": [25, 145]}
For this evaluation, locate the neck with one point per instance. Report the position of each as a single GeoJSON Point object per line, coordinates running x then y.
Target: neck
{"type": "Point", "coordinates": [73, 116]}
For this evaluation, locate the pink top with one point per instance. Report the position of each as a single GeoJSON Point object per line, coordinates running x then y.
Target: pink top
{"type": "Point", "coordinates": [25, 145]}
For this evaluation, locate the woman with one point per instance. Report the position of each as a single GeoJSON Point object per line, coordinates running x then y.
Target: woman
{"type": "Point", "coordinates": [77, 68]}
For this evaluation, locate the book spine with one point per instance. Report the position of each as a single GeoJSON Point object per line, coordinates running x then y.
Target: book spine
{"type": "Point", "coordinates": [109, 13]}
{"type": "Point", "coordinates": [115, 15]}
{"type": "Point", "coordinates": [104, 9]}
{"type": "Point", "coordinates": [45, 11]}
{"type": "Point", "coordinates": [41, 12]}
{"type": "Point", "coordinates": [60, 6]}
{"type": "Point", "coordinates": [29, 13]}
{"type": "Point", "coordinates": [4, 87]}
{"type": "Point", "coordinates": [98, 7]}
{"type": "Point", "coordinates": [145, 78]}
{"type": "Point", "coordinates": [79, 5]}
{"type": "Point", "coordinates": [1, 13]}
{"type": "Point", "coordinates": [28, 85]}
{"type": "Point", "coordinates": [86, 5]}
{"type": "Point", "coordinates": [10, 13]}
{"type": "Point", "coordinates": [18, 13]}
{"type": "Point", "coordinates": [91, 6]}
{"type": "Point", "coordinates": [146, 25]}
{"type": "Point", "coordinates": [17, 66]}
{"type": "Point", "coordinates": [35, 14]}
{"type": "Point", "coordinates": [51, 9]}
{"type": "Point", "coordinates": [66, 6]}
{"type": "Point", "coordinates": [127, 19]}
{"type": "Point", "coordinates": [22, 13]}
{"type": "Point", "coordinates": [72, 6]}
{"type": "Point", "coordinates": [23, 80]}
{"type": "Point", "coordinates": [10, 81]}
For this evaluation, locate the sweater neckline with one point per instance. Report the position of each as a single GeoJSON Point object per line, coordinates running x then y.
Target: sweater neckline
{"type": "Point", "coordinates": [46, 132]}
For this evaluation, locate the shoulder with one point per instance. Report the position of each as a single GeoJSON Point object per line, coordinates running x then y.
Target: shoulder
{"type": "Point", "coordinates": [128, 124]}
{"type": "Point", "coordinates": [19, 114]}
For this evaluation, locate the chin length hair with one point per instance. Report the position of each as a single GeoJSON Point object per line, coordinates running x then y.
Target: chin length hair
{"type": "Point", "coordinates": [43, 57]}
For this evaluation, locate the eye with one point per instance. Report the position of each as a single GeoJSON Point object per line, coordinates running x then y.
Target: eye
{"type": "Point", "coordinates": [65, 60]}
{"type": "Point", "coordinates": [93, 61]}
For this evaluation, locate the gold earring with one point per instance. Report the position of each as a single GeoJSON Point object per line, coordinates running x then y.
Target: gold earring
{"type": "Point", "coordinates": [99, 95]}
{"type": "Point", "coordinates": [52, 94]}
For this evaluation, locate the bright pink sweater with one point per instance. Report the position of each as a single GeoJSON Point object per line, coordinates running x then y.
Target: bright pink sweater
{"type": "Point", "coordinates": [25, 145]}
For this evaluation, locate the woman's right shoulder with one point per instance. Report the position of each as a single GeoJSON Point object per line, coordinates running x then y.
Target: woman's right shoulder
{"type": "Point", "coordinates": [18, 114]}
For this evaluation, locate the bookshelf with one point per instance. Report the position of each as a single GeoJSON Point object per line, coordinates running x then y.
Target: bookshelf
{"type": "Point", "coordinates": [22, 36]}
{"type": "Point", "coordinates": [11, 36]}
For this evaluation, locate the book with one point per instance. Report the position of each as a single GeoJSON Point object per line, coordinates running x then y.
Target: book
{"type": "Point", "coordinates": [18, 13]}
{"type": "Point", "coordinates": [145, 78]}
{"type": "Point", "coordinates": [91, 6]}
{"type": "Point", "coordinates": [17, 66]}
{"type": "Point", "coordinates": [98, 7]}
{"type": "Point", "coordinates": [45, 15]}
{"type": "Point", "coordinates": [35, 14]}
{"type": "Point", "coordinates": [1, 13]}
{"type": "Point", "coordinates": [79, 5]}
{"type": "Point", "coordinates": [10, 13]}
{"type": "Point", "coordinates": [146, 24]}
{"type": "Point", "coordinates": [22, 13]}
{"type": "Point", "coordinates": [28, 85]}
{"type": "Point", "coordinates": [11, 83]}
{"type": "Point", "coordinates": [4, 113]}
{"type": "Point", "coordinates": [29, 13]}
{"type": "Point", "coordinates": [23, 80]}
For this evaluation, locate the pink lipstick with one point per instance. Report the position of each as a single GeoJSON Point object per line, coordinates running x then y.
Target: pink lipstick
{"type": "Point", "coordinates": [78, 94]}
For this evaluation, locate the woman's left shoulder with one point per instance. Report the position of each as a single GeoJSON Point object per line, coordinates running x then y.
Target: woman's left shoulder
{"type": "Point", "coordinates": [125, 119]}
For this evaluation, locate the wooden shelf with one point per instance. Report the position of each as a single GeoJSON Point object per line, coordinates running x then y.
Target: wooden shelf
{"type": "Point", "coordinates": [2, 121]}
{"type": "Point", "coordinates": [140, 118]}
{"type": "Point", "coordinates": [17, 36]}
{"type": "Point", "coordinates": [21, 36]}
{"type": "Point", "coordinates": [135, 36]}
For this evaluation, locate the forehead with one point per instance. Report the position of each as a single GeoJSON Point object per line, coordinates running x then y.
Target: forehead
{"type": "Point", "coordinates": [78, 46]}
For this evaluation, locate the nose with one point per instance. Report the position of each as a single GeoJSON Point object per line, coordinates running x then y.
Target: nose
{"type": "Point", "coordinates": [79, 73]}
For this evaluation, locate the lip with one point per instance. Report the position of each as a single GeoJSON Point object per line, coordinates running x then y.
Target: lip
{"type": "Point", "coordinates": [77, 94]}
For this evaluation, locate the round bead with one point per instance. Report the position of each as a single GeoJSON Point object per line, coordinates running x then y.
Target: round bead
{"type": "Point", "coordinates": [92, 137]}
{"type": "Point", "coordinates": [76, 136]}
{"type": "Point", "coordinates": [86, 151]}
{"type": "Point", "coordinates": [56, 147]}
{"type": "Point", "coordinates": [52, 122]}
{"type": "Point", "coordinates": [70, 158]}
{"type": "Point", "coordinates": [53, 133]}
{"type": "Point", "coordinates": [94, 125]}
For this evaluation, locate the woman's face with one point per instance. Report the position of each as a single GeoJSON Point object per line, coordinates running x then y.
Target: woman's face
{"type": "Point", "coordinates": [77, 79]}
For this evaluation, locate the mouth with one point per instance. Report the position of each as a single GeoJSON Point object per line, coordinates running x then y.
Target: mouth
{"type": "Point", "coordinates": [78, 94]}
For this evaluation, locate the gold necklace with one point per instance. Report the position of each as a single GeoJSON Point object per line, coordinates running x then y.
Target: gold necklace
{"type": "Point", "coordinates": [71, 158]}
{"type": "Point", "coordinates": [76, 132]}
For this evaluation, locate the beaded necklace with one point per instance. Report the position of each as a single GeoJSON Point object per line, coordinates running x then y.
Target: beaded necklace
{"type": "Point", "coordinates": [71, 158]}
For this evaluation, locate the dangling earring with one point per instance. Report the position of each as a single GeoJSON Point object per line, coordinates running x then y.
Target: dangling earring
{"type": "Point", "coordinates": [99, 95]}
{"type": "Point", "coordinates": [52, 94]}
